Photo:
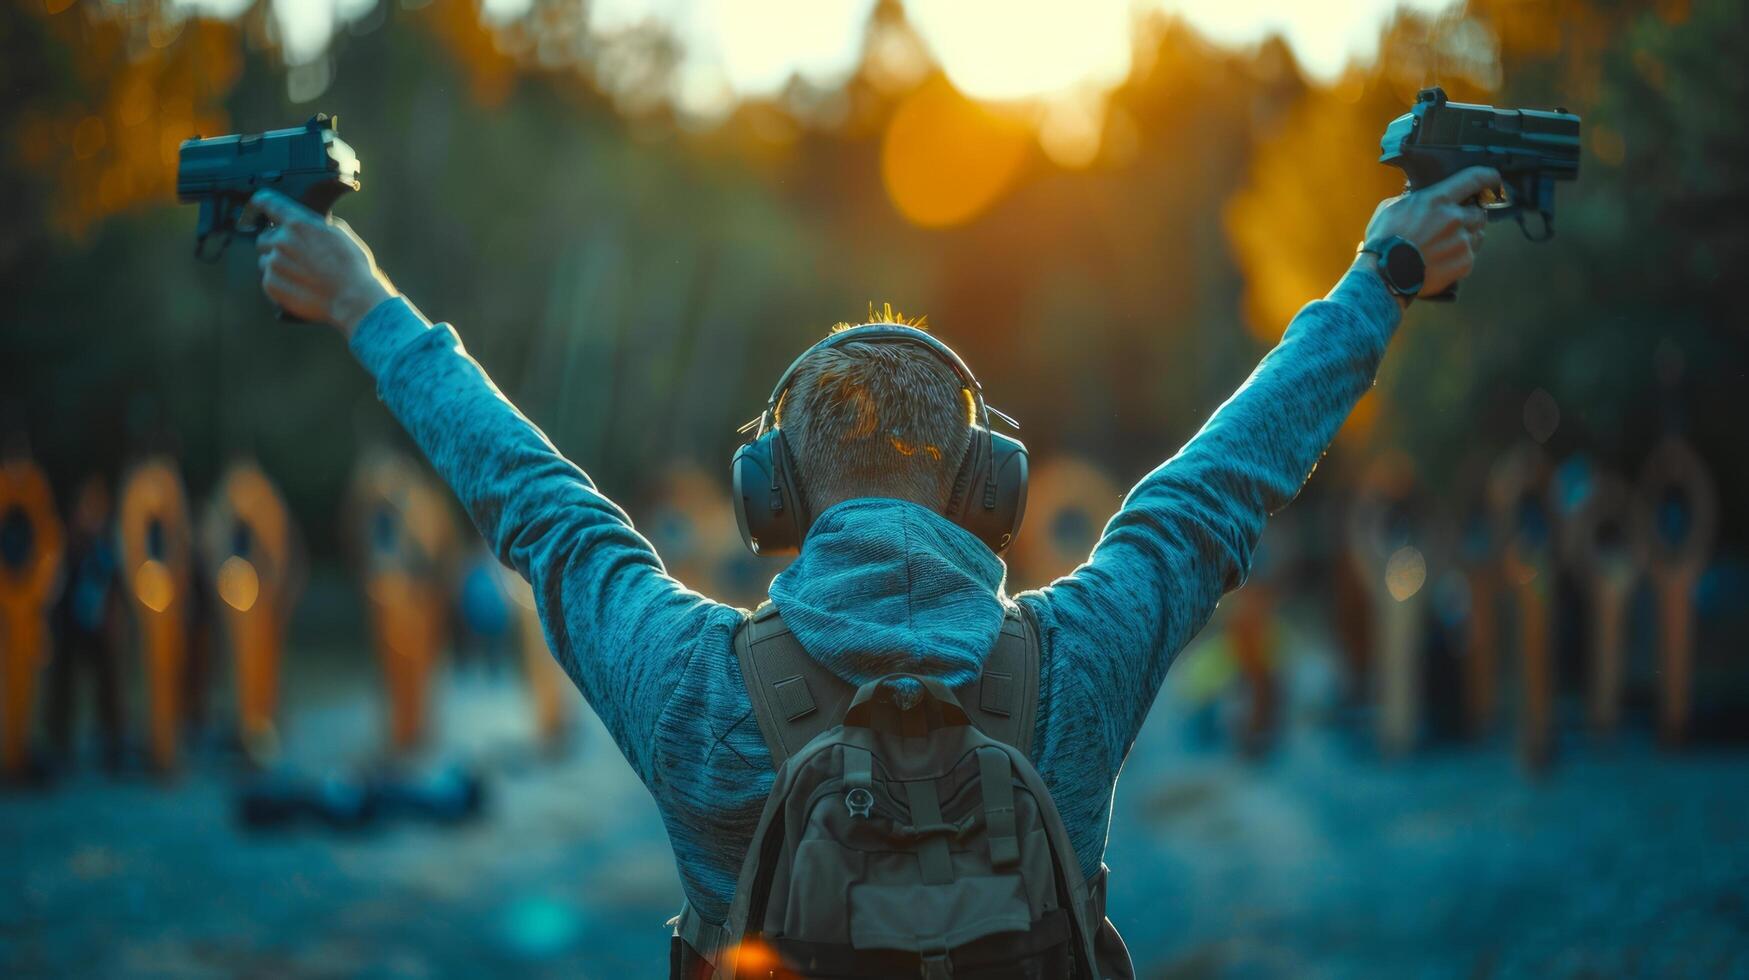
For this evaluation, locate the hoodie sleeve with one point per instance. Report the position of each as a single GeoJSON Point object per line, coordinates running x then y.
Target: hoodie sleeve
{"type": "Point", "coordinates": [622, 628]}
{"type": "Point", "coordinates": [1185, 533]}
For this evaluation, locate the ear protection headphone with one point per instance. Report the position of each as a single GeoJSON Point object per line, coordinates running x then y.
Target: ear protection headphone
{"type": "Point", "coordinates": [989, 491]}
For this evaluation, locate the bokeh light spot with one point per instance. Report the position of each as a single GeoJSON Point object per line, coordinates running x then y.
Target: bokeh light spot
{"type": "Point", "coordinates": [1405, 573]}
{"type": "Point", "coordinates": [945, 159]}
{"type": "Point", "coordinates": [154, 585]}
{"type": "Point", "coordinates": [238, 584]}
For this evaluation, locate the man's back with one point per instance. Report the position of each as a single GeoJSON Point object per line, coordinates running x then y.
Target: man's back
{"type": "Point", "coordinates": [881, 584]}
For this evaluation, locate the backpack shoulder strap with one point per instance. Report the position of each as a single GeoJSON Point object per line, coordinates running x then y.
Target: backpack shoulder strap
{"type": "Point", "coordinates": [794, 698]}
{"type": "Point", "coordinates": [1003, 702]}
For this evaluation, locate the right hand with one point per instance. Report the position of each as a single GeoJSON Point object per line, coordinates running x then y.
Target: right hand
{"type": "Point", "coordinates": [1444, 221]}
{"type": "Point", "coordinates": [316, 267]}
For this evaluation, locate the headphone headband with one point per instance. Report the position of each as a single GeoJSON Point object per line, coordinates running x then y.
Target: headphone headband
{"type": "Point", "coordinates": [878, 333]}
{"type": "Point", "coordinates": [989, 492]}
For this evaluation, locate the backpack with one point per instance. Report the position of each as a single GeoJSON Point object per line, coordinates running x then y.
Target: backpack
{"type": "Point", "coordinates": [906, 833]}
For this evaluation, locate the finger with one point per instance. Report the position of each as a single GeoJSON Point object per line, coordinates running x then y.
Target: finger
{"type": "Point", "coordinates": [286, 293]}
{"type": "Point", "coordinates": [289, 273]}
{"type": "Point", "coordinates": [269, 239]}
{"type": "Point", "coordinates": [1475, 219]}
{"type": "Point", "coordinates": [1466, 184]}
{"type": "Point", "coordinates": [282, 210]}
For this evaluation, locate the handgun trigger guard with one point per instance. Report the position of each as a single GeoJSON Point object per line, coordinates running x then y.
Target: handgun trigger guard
{"type": "Point", "coordinates": [212, 258]}
{"type": "Point", "coordinates": [1548, 231]}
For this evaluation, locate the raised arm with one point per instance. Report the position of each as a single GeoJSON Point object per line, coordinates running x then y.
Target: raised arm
{"type": "Point", "coordinates": [1185, 533]}
{"type": "Point", "coordinates": [618, 623]}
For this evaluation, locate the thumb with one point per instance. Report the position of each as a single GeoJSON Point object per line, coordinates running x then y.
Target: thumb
{"type": "Point", "coordinates": [1466, 184]}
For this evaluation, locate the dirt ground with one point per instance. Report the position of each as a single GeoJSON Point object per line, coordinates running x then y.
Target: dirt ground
{"type": "Point", "coordinates": [1321, 861]}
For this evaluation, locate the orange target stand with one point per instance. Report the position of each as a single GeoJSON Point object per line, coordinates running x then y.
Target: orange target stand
{"type": "Point", "coordinates": [30, 575]}
{"type": "Point", "coordinates": [249, 536]}
{"type": "Point", "coordinates": [408, 540]}
{"type": "Point", "coordinates": [1518, 494]}
{"type": "Point", "coordinates": [156, 552]}
{"type": "Point", "coordinates": [1387, 541]}
{"type": "Point", "coordinates": [1676, 517]}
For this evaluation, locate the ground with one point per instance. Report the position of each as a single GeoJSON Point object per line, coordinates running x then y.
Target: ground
{"type": "Point", "coordinates": [1321, 861]}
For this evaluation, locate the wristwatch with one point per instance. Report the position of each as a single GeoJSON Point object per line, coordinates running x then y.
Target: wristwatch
{"type": "Point", "coordinates": [1400, 265]}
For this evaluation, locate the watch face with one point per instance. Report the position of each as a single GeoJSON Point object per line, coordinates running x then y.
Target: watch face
{"type": "Point", "coordinates": [1404, 267]}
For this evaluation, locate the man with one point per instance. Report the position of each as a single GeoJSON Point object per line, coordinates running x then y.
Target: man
{"type": "Point", "coordinates": [90, 625]}
{"type": "Point", "coordinates": [883, 579]}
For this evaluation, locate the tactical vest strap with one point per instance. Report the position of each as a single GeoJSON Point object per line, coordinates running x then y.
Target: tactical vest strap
{"type": "Point", "coordinates": [795, 698]}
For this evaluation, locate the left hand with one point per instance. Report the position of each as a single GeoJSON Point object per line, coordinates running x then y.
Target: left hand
{"type": "Point", "coordinates": [316, 268]}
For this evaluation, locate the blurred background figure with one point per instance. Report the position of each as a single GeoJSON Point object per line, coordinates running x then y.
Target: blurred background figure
{"type": "Point", "coordinates": [30, 581]}
{"type": "Point", "coordinates": [549, 689]}
{"type": "Point", "coordinates": [483, 613]}
{"type": "Point", "coordinates": [91, 630]}
{"type": "Point", "coordinates": [404, 534]}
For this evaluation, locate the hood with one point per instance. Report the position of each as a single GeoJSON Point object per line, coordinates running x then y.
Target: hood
{"type": "Point", "coordinates": [887, 585]}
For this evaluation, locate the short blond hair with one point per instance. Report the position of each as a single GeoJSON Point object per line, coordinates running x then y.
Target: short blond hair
{"type": "Point", "coordinates": [876, 420]}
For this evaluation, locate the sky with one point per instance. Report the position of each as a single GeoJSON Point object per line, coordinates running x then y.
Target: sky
{"type": "Point", "coordinates": [997, 50]}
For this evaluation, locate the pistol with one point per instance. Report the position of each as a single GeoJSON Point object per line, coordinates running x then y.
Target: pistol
{"type": "Point", "coordinates": [310, 164]}
{"type": "Point", "coordinates": [1531, 148]}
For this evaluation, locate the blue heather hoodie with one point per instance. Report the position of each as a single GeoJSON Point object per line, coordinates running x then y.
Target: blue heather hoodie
{"type": "Point", "coordinates": [880, 584]}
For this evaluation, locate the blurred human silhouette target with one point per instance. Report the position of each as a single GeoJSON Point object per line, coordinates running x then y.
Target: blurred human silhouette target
{"type": "Point", "coordinates": [1519, 496]}
{"type": "Point", "coordinates": [30, 573]}
{"type": "Point", "coordinates": [1389, 534]}
{"type": "Point", "coordinates": [548, 687]}
{"type": "Point", "coordinates": [691, 525]}
{"type": "Point", "coordinates": [1597, 544]}
{"type": "Point", "coordinates": [157, 553]}
{"type": "Point", "coordinates": [1476, 553]}
{"type": "Point", "coordinates": [248, 539]}
{"type": "Point", "coordinates": [1675, 520]}
{"type": "Point", "coordinates": [1068, 502]}
{"type": "Point", "coordinates": [405, 537]}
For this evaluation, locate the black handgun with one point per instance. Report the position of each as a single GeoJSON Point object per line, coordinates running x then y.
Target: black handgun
{"type": "Point", "coordinates": [1531, 148]}
{"type": "Point", "coordinates": [310, 164]}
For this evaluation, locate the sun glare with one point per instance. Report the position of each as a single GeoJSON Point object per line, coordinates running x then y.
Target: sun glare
{"type": "Point", "coordinates": [1017, 49]}
{"type": "Point", "coordinates": [994, 50]}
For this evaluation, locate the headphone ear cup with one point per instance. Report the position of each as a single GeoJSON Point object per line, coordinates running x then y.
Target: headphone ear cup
{"type": "Point", "coordinates": [992, 512]}
{"type": "Point", "coordinates": [971, 471]}
{"type": "Point", "coordinates": [768, 508]}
